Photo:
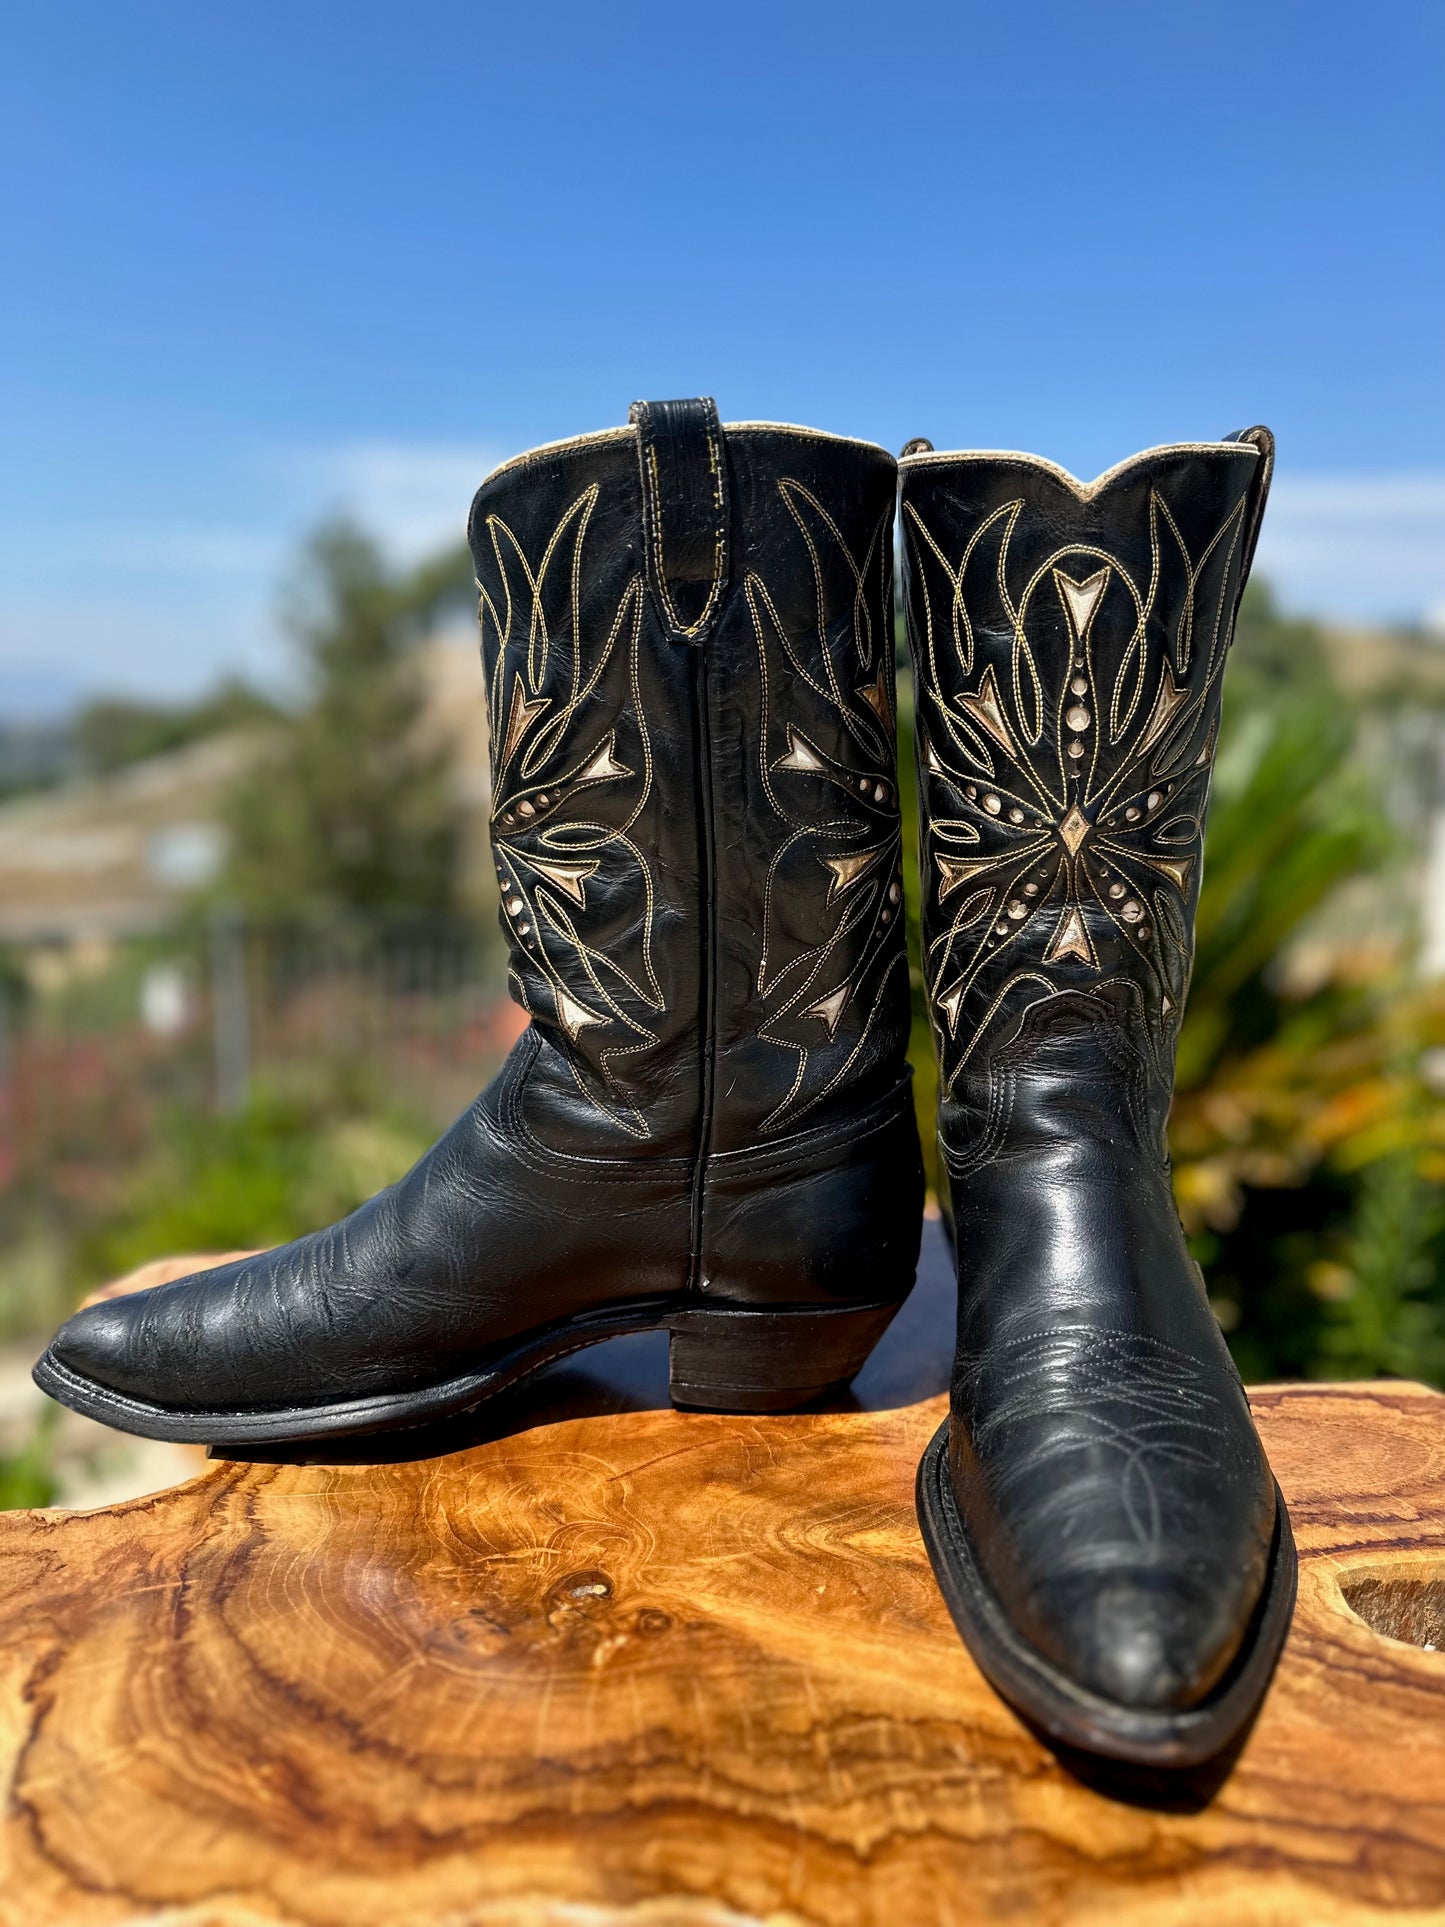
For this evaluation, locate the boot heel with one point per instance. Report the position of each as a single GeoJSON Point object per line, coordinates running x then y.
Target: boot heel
{"type": "Point", "coordinates": [769, 1361]}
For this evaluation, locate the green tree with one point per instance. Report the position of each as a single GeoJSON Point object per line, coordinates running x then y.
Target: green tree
{"type": "Point", "coordinates": [1303, 1155]}
{"type": "Point", "coordinates": [1386, 1314]}
{"type": "Point", "coordinates": [353, 808]}
{"type": "Point", "coordinates": [1293, 817]}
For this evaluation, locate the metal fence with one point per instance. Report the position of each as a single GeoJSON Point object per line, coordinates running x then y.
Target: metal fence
{"type": "Point", "coordinates": [420, 1003]}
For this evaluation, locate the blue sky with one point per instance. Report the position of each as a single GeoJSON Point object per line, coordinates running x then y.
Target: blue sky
{"type": "Point", "coordinates": [270, 260]}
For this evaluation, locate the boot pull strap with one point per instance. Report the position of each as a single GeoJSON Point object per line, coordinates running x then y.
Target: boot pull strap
{"type": "Point", "coordinates": [1263, 440]}
{"type": "Point", "coordinates": [685, 493]}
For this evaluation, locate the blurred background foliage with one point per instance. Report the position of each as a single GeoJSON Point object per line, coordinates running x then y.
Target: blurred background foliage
{"type": "Point", "coordinates": [257, 1047]}
{"type": "Point", "coordinates": [340, 945]}
{"type": "Point", "coordinates": [370, 951]}
{"type": "Point", "coordinates": [352, 810]}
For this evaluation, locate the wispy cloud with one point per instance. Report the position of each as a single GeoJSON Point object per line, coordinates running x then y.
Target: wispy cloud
{"type": "Point", "coordinates": [176, 549]}
{"type": "Point", "coordinates": [142, 638]}
{"type": "Point", "coordinates": [413, 496]}
{"type": "Point", "coordinates": [1363, 548]}
{"type": "Point", "coordinates": [164, 607]}
{"type": "Point", "coordinates": [167, 605]}
{"type": "Point", "coordinates": [1366, 548]}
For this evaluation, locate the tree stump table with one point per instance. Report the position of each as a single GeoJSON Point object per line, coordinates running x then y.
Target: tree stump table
{"type": "Point", "coordinates": [600, 1662]}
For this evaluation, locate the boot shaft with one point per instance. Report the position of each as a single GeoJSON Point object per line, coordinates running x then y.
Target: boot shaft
{"type": "Point", "coordinates": [1069, 645]}
{"type": "Point", "coordinates": [687, 639]}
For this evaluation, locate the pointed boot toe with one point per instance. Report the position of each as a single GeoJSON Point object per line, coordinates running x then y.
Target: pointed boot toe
{"type": "Point", "coordinates": [1137, 1648]}
{"type": "Point", "coordinates": [1146, 1666]}
{"type": "Point", "coordinates": [1145, 1641]}
{"type": "Point", "coordinates": [98, 1345]}
{"type": "Point", "coordinates": [148, 1361]}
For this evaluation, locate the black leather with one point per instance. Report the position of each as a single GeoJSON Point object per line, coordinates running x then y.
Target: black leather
{"type": "Point", "coordinates": [1069, 645]}
{"type": "Point", "coordinates": [686, 635]}
{"type": "Point", "coordinates": [683, 466]}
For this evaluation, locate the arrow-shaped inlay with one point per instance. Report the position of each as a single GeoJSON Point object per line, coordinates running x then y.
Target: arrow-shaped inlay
{"type": "Point", "coordinates": [949, 1004]}
{"type": "Point", "coordinates": [829, 1010]}
{"type": "Point", "coordinates": [801, 755]}
{"type": "Point", "coordinates": [1071, 938]}
{"type": "Point", "coordinates": [604, 765]}
{"type": "Point", "coordinates": [1167, 705]}
{"type": "Point", "coordinates": [875, 694]}
{"type": "Point", "coordinates": [523, 715]}
{"type": "Point", "coordinates": [1176, 868]}
{"type": "Point", "coordinates": [1080, 599]}
{"type": "Point", "coordinates": [848, 869]}
{"type": "Point", "coordinates": [569, 877]}
{"type": "Point", "coordinates": [984, 706]}
{"type": "Point", "coordinates": [955, 871]}
{"type": "Point", "coordinates": [573, 1016]}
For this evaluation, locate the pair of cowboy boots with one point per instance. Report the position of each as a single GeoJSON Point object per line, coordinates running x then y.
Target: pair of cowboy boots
{"type": "Point", "coordinates": [707, 1127]}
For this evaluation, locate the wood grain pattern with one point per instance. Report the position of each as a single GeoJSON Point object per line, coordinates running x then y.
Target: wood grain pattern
{"type": "Point", "coordinates": [655, 1667]}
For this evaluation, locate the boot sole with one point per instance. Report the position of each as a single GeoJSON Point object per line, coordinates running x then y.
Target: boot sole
{"type": "Point", "coordinates": [1066, 1713]}
{"type": "Point", "coordinates": [722, 1359]}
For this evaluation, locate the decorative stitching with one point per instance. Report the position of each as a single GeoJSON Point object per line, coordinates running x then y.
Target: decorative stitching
{"type": "Point", "coordinates": [654, 534]}
{"type": "Point", "coordinates": [1123, 1393]}
{"type": "Point", "coordinates": [847, 811]}
{"type": "Point", "coordinates": [546, 855]}
{"type": "Point", "coordinates": [1091, 828]}
{"type": "Point", "coordinates": [1085, 491]}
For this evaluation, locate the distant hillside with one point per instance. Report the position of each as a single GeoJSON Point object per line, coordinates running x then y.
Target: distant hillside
{"type": "Point", "coordinates": [1394, 664]}
{"type": "Point", "coordinates": [125, 820]}
{"type": "Point", "coordinates": [110, 733]}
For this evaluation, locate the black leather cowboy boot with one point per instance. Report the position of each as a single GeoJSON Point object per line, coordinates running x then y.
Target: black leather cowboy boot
{"type": "Point", "coordinates": [1098, 1509]}
{"type": "Point", "coordinates": [687, 638]}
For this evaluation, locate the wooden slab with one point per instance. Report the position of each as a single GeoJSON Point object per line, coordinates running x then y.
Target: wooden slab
{"type": "Point", "coordinates": [649, 1667]}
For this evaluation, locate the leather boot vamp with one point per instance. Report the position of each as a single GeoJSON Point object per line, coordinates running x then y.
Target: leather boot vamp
{"type": "Point", "coordinates": [1105, 1463]}
{"type": "Point", "coordinates": [485, 1239]}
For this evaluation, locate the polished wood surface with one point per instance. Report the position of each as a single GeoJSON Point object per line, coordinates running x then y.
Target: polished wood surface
{"type": "Point", "coordinates": [599, 1662]}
